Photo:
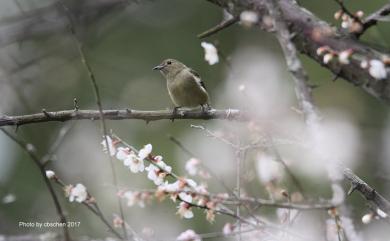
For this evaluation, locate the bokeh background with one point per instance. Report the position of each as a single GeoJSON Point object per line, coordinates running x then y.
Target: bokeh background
{"type": "Point", "coordinates": [40, 69]}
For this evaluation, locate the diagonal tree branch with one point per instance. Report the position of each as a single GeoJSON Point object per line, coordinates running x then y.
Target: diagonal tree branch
{"type": "Point", "coordinates": [369, 193]}
{"type": "Point", "coordinates": [29, 149]}
{"type": "Point", "coordinates": [310, 33]}
{"type": "Point", "coordinates": [376, 16]}
{"type": "Point", "coordinates": [224, 24]}
{"type": "Point", "coordinates": [294, 65]}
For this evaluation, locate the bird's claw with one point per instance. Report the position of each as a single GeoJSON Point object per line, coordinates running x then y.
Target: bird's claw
{"type": "Point", "coordinates": [205, 108]}
{"type": "Point", "coordinates": [174, 113]}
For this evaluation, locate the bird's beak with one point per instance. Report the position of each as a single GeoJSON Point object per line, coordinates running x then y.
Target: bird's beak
{"type": "Point", "coordinates": [159, 67]}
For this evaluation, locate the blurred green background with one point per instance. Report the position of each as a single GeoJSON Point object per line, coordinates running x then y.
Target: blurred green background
{"type": "Point", "coordinates": [44, 71]}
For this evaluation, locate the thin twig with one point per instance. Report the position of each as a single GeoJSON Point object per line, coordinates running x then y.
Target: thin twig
{"type": "Point", "coordinates": [239, 155]}
{"type": "Point", "coordinates": [208, 169]}
{"type": "Point", "coordinates": [212, 134]}
{"type": "Point", "coordinates": [29, 149]}
{"type": "Point", "coordinates": [243, 220]}
{"type": "Point", "coordinates": [232, 200]}
{"type": "Point", "coordinates": [279, 158]}
{"type": "Point", "coordinates": [56, 144]}
{"type": "Point", "coordinates": [92, 206]}
{"type": "Point", "coordinates": [224, 24]}
{"type": "Point", "coordinates": [95, 88]}
{"type": "Point", "coordinates": [212, 173]}
{"type": "Point", "coordinates": [373, 18]}
{"type": "Point", "coordinates": [181, 146]}
{"type": "Point", "coordinates": [345, 10]}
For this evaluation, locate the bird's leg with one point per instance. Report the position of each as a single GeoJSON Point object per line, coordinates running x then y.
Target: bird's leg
{"type": "Point", "coordinates": [205, 107]}
{"type": "Point", "coordinates": [174, 112]}
{"type": "Point", "coordinates": [202, 108]}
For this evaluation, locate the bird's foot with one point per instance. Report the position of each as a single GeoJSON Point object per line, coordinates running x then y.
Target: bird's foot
{"type": "Point", "coordinates": [205, 108]}
{"type": "Point", "coordinates": [174, 112]}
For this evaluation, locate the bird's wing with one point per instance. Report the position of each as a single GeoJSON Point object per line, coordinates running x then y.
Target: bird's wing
{"type": "Point", "coordinates": [197, 78]}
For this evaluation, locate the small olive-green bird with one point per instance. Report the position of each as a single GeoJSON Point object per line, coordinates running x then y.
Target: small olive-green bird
{"type": "Point", "coordinates": [184, 85]}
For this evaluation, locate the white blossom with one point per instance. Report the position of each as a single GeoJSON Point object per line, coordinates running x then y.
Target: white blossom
{"type": "Point", "coordinates": [327, 58]}
{"type": "Point", "coordinates": [145, 151]}
{"type": "Point", "coordinates": [111, 146]}
{"type": "Point", "coordinates": [122, 153]}
{"type": "Point", "coordinates": [201, 189]}
{"type": "Point", "coordinates": [133, 198]}
{"type": "Point", "coordinates": [367, 218]}
{"type": "Point", "coordinates": [337, 15]}
{"type": "Point", "coordinates": [191, 183]}
{"type": "Point", "coordinates": [344, 56]}
{"type": "Point", "coordinates": [192, 166]}
{"type": "Point", "coordinates": [249, 18]}
{"type": "Point", "coordinates": [211, 53]}
{"type": "Point", "coordinates": [50, 174]}
{"type": "Point", "coordinates": [228, 228]}
{"type": "Point", "coordinates": [377, 69]}
{"type": "Point", "coordinates": [184, 208]}
{"type": "Point", "coordinates": [156, 174]}
{"type": "Point", "coordinates": [162, 165]}
{"type": "Point", "coordinates": [364, 64]}
{"type": "Point", "coordinates": [153, 174]}
{"type": "Point", "coordinates": [170, 187]}
{"type": "Point", "coordinates": [359, 14]}
{"type": "Point", "coordinates": [78, 193]}
{"type": "Point", "coordinates": [346, 24]}
{"type": "Point", "coordinates": [134, 163]}
{"type": "Point", "coordinates": [117, 221]}
{"type": "Point", "coordinates": [322, 50]}
{"type": "Point", "coordinates": [188, 235]}
{"type": "Point", "coordinates": [185, 197]}
{"type": "Point", "coordinates": [381, 213]}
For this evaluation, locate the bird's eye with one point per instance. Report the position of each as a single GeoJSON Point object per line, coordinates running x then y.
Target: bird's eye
{"type": "Point", "coordinates": [169, 62]}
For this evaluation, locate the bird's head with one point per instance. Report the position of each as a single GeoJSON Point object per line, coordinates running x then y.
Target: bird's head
{"type": "Point", "coordinates": [170, 67]}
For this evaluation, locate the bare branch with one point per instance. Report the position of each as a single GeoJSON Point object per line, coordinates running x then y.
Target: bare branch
{"type": "Point", "coordinates": [376, 16]}
{"type": "Point", "coordinates": [345, 10]}
{"type": "Point", "coordinates": [29, 149]}
{"type": "Point", "coordinates": [369, 193]}
{"type": "Point", "coordinates": [294, 65]}
{"type": "Point", "coordinates": [154, 115]}
{"type": "Point", "coordinates": [309, 33]}
{"type": "Point", "coordinates": [91, 204]}
{"type": "Point", "coordinates": [224, 24]}
{"type": "Point", "coordinates": [56, 144]}
{"type": "Point", "coordinates": [50, 20]}
{"type": "Point", "coordinates": [98, 100]}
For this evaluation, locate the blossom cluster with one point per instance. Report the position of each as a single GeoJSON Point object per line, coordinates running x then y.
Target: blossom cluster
{"type": "Point", "coordinates": [76, 193]}
{"type": "Point", "coordinates": [185, 190]}
{"type": "Point", "coordinates": [210, 53]}
{"type": "Point", "coordinates": [249, 18]}
{"type": "Point", "coordinates": [351, 23]}
{"type": "Point", "coordinates": [376, 68]}
{"type": "Point", "coordinates": [329, 54]}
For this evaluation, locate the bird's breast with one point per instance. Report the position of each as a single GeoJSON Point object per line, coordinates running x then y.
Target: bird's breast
{"type": "Point", "coordinates": [185, 91]}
